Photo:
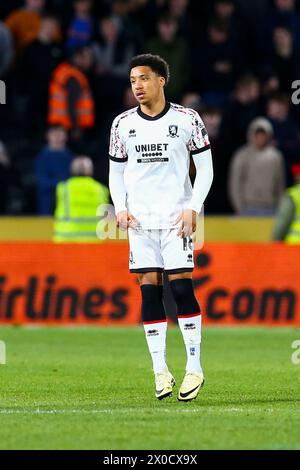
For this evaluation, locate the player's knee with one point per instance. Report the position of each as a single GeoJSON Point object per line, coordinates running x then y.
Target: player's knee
{"type": "Point", "coordinates": [152, 303]}
{"type": "Point", "coordinates": [184, 296]}
{"type": "Point", "coordinates": [154, 278]}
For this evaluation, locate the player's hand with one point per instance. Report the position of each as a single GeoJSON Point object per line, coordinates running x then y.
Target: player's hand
{"type": "Point", "coordinates": [187, 223]}
{"type": "Point", "coordinates": [122, 218]}
{"type": "Point", "coordinates": [125, 220]}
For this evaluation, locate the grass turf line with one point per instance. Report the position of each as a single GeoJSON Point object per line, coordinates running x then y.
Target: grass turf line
{"type": "Point", "coordinates": [92, 388]}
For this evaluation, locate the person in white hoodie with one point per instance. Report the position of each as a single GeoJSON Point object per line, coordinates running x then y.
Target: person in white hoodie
{"type": "Point", "coordinates": [257, 173]}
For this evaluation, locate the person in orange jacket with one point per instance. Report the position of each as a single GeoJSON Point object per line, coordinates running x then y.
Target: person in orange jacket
{"type": "Point", "coordinates": [24, 23]}
{"type": "Point", "coordinates": [71, 103]}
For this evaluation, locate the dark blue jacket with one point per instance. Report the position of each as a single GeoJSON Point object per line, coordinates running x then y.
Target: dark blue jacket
{"type": "Point", "coordinates": [51, 167]}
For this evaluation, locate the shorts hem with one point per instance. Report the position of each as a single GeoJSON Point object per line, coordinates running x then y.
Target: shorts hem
{"type": "Point", "coordinates": [146, 270]}
{"type": "Point", "coordinates": [179, 270]}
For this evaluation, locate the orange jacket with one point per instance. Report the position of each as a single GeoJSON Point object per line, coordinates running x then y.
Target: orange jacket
{"type": "Point", "coordinates": [58, 111]}
{"type": "Point", "coordinates": [24, 26]}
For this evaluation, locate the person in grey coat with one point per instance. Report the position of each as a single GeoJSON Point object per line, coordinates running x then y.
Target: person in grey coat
{"type": "Point", "coordinates": [257, 174]}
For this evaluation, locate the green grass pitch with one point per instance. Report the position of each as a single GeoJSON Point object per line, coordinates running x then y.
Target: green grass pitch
{"type": "Point", "coordinates": [92, 388]}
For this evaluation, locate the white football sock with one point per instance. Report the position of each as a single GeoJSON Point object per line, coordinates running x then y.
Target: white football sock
{"type": "Point", "coordinates": [156, 340]}
{"type": "Point", "coordinates": [191, 331]}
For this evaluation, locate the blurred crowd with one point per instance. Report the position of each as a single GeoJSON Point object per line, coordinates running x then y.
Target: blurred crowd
{"type": "Point", "coordinates": [65, 66]}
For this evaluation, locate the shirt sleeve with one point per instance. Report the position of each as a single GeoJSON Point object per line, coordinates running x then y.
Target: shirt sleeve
{"type": "Point", "coordinates": [199, 141]}
{"type": "Point", "coordinates": [203, 180]}
{"type": "Point", "coordinates": [117, 186]}
{"type": "Point", "coordinates": [117, 152]}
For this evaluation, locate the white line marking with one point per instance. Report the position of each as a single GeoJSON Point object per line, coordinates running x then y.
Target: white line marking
{"type": "Point", "coordinates": [80, 411]}
{"type": "Point", "coordinates": [202, 409]}
{"type": "Point", "coordinates": [52, 412]}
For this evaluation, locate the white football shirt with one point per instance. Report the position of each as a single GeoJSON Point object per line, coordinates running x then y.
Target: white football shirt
{"type": "Point", "coordinates": [157, 153]}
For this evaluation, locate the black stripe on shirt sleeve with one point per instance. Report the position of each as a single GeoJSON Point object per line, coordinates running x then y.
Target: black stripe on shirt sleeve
{"type": "Point", "coordinates": [195, 152]}
{"type": "Point", "coordinates": [119, 160]}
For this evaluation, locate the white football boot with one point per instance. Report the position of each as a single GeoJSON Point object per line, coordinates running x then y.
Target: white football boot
{"type": "Point", "coordinates": [164, 383]}
{"type": "Point", "coordinates": [190, 386]}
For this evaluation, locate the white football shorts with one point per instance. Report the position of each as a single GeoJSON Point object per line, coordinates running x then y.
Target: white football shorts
{"type": "Point", "coordinates": [160, 250]}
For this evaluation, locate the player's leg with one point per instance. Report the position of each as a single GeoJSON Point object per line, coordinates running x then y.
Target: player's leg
{"type": "Point", "coordinates": [154, 317]}
{"type": "Point", "coordinates": [155, 326]}
{"type": "Point", "coordinates": [145, 257]}
{"type": "Point", "coordinates": [178, 258]}
{"type": "Point", "coordinates": [189, 318]}
{"type": "Point", "coordinates": [189, 321]}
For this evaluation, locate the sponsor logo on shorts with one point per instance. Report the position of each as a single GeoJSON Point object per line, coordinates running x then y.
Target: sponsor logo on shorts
{"type": "Point", "coordinates": [190, 258]}
{"type": "Point", "coordinates": [192, 351]}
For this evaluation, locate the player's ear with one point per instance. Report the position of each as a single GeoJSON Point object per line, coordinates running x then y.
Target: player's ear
{"type": "Point", "coordinates": [162, 81]}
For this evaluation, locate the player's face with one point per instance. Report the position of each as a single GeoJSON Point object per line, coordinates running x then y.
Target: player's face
{"type": "Point", "coordinates": [146, 85]}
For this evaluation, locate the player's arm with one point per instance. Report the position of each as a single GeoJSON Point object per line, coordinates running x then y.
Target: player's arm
{"type": "Point", "coordinates": [203, 181]}
{"type": "Point", "coordinates": [118, 191]}
{"type": "Point", "coordinates": [118, 162]}
{"type": "Point", "coordinates": [199, 147]}
{"type": "Point", "coordinates": [118, 195]}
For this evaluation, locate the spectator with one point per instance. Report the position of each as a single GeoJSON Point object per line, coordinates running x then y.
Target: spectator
{"type": "Point", "coordinates": [215, 64]}
{"type": "Point", "coordinates": [241, 110]}
{"type": "Point", "coordinates": [40, 58]}
{"type": "Point", "coordinates": [130, 31]}
{"type": "Point", "coordinates": [287, 224]}
{"type": "Point", "coordinates": [71, 104]}
{"type": "Point", "coordinates": [24, 23]}
{"type": "Point", "coordinates": [284, 16]}
{"type": "Point", "coordinates": [112, 52]}
{"type": "Point", "coordinates": [77, 202]}
{"type": "Point", "coordinates": [6, 49]}
{"type": "Point", "coordinates": [270, 84]}
{"type": "Point", "coordinates": [178, 9]}
{"type": "Point", "coordinates": [52, 165]}
{"type": "Point", "coordinates": [225, 10]}
{"type": "Point", "coordinates": [286, 131]}
{"type": "Point", "coordinates": [175, 51]}
{"type": "Point", "coordinates": [256, 178]}
{"type": "Point", "coordinates": [146, 13]}
{"type": "Point", "coordinates": [283, 59]}
{"type": "Point", "coordinates": [240, 33]}
{"type": "Point", "coordinates": [81, 28]}
{"type": "Point", "coordinates": [217, 201]}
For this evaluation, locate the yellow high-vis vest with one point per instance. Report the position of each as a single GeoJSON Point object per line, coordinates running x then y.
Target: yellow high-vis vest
{"type": "Point", "coordinates": [293, 236]}
{"type": "Point", "coordinates": [77, 201]}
